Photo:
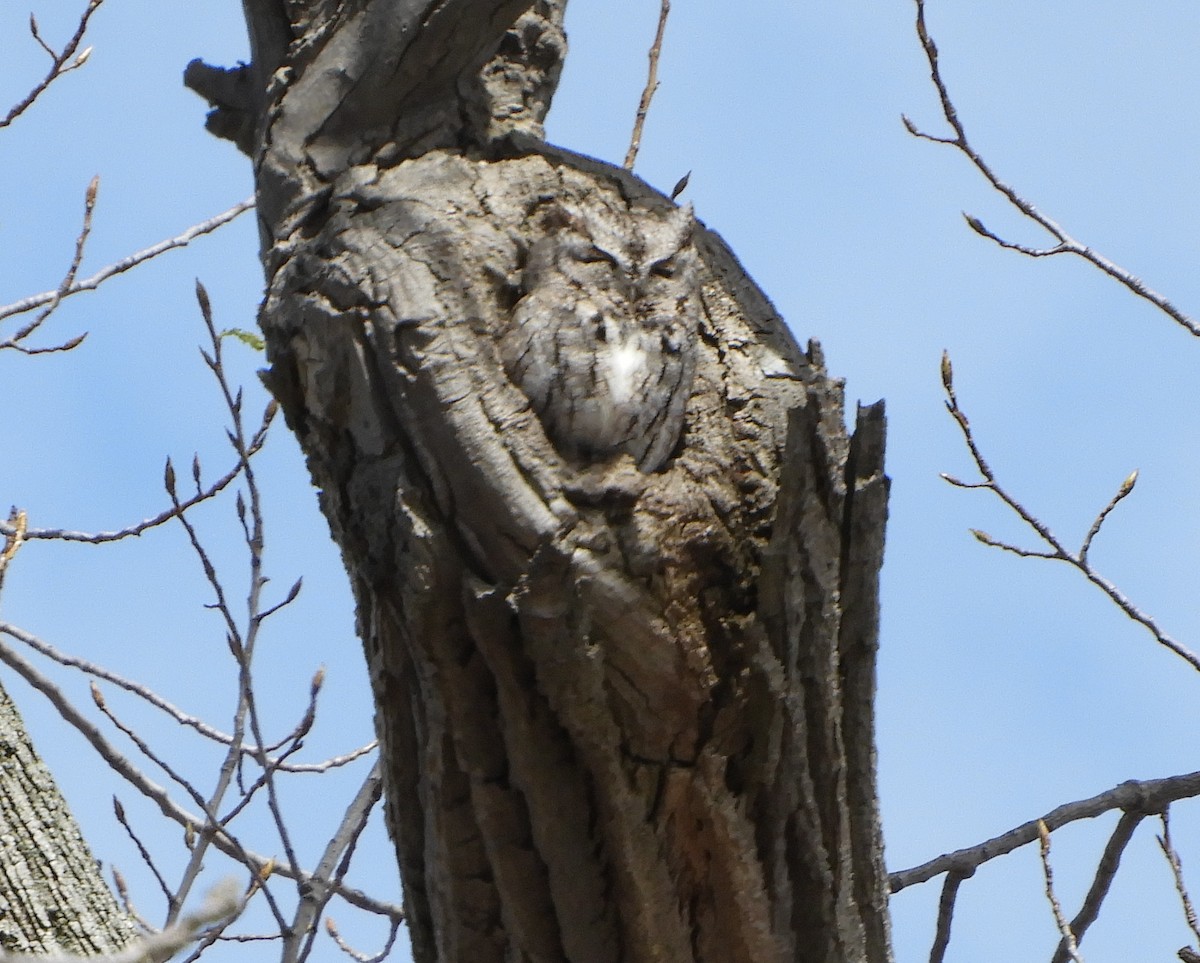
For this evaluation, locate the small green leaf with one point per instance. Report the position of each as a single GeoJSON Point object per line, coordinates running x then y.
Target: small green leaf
{"type": "Point", "coordinates": [246, 337]}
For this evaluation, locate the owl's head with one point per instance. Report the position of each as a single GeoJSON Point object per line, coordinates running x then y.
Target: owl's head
{"type": "Point", "coordinates": [639, 256]}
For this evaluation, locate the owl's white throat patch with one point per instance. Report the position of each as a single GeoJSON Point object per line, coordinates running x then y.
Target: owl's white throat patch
{"type": "Point", "coordinates": [626, 364]}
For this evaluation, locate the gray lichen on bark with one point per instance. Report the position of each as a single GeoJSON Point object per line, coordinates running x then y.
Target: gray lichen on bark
{"type": "Point", "coordinates": [52, 896]}
{"type": "Point", "coordinates": [626, 714]}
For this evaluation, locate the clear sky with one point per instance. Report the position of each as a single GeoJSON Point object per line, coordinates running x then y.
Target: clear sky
{"type": "Point", "coordinates": [1007, 686]}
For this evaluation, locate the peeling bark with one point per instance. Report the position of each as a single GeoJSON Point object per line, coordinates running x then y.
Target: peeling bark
{"type": "Point", "coordinates": [626, 715]}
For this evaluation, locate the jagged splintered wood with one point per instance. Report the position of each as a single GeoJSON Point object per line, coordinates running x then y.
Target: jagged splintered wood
{"type": "Point", "coordinates": [624, 700]}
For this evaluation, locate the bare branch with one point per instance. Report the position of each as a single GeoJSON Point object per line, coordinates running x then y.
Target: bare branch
{"type": "Point", "coordinates": [161, 798]}
{"type": "Point", "coordinates": [1060, 921]}
{"type": "Point", "coordinates": [332, 930]}
{"type": "Point", "coordinates": [123, 893]}
{"type": "Point", "coordinates": [213, 934]}
{"type": "Point", "coordinates": [242, 645]}
{"type": "Point", "coordinates": [208, 830]}
{"type": "Point", "coordinates": [1168, 848]}
{"type": "Point", "coordinates": [941, 937]}
{"type": "Point", "coordinates": [1149, 796]}
{"type": "Point", "coordinates": [61, 63]}
{"type": "Point", "coordinates": [125, 264]}
{"type": "Point", "coordinates": [1065, 243]}
{"type": "Point", "coordinates": [1122, 492]}
{"type": "Point", "coordinates": [1057, 551]}
{"type": "Point", "coordinates": [635, 141]}
{"type": "Point", "coordinates": [148, 695]}
{"type": "Point", "coordinates": [335, 860]}
{"type": "Point", "coordinates": [143, 851]}
{"type": "Point", "coordinates": [14, 343]}
{"type": "Point", "coordinates": [276, 764]}
{"type": "Point", "coordinates": [99, 672]}
{"type": "Point", "coordinates": [176, 509]}
{"type": "Point", "coordinates": [144, 748]}
{"type": "Point", "coordinates": [288, 600]}
{"type": "Point", "coordinates": [985, 539]}
{"type": "Point", "coordinates": [1106, 871]}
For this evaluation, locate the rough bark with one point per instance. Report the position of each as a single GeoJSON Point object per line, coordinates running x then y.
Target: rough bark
{"type": "Point", "coordinates": [625, 707]}
{"type": "Point", "coordinates": [52, 896]}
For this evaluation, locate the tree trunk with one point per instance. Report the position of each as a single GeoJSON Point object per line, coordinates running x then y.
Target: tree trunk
{"type": "Point", "coordinates": [614, 555]}
{"type": "Point", "coordinates": [52, 896]}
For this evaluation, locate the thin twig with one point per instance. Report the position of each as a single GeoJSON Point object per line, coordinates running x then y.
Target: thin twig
{"type": "Point", "coordinates": [212, 826]}
{"type": "Point", "coordinates": [178, 506]}
{"type": "Point", "coordinates": [335, 860]}
{"type": "Point", "coordinates": [85, 231]}
{"type": "Point", "coordinates": [122, 889]}
{"type": "Point", "coordinates": [278, 763]}
{"type": "Point", "coordinates": [59, 61]}
{"type": "Point", "coordinates": [127, 263]}
{"type": "Point", "coordinates": [1149, 796]}
{"type": "Point", "coordinates": [1058, 551]}
{"type": "Point", "coordinates": [1060, 921]}
{"type": "Point", "coordinates": [247, 793]}
{"type": "Point", "coordinates": [208, 830]}
{"type": "Point", "coordinates": [1102, 515]}
{"type": "Point", "coordinates": [242, 645]}
{"type": "Point", "coordinates": [147, 858]}
{"type": "Point", "coordinates": [635, 140]}
{"type": "Point", "coordinates": [213, 934]}
{"type": "Point", "coordinates": [1065, 243]}
{"type": "Point", "coordinates": [254, 543]}
{"type": "Point", "coordinates": [148, 695]}
{"type": "Point", "coordinates": [393, 932]}
{"type": "Point", "coordinates": [115, 760]}
{"type": "Point", "coordinates": [122, 766]}
{"type": "Point", "coordinates": [1168, 848]}
{"type": "Point", "coordinates": [1106, 872]}
{"type": "Point", "coordinates": [145, 749]}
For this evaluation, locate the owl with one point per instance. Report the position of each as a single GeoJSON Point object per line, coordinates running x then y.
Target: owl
{"type": "Point", "coordinates": [602, 340]}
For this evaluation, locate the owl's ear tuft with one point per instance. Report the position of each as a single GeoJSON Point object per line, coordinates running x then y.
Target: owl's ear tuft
{"type": "Point", "coordinates": [682, 221]}
{"type": "Point", "coordinates": [686, 211]}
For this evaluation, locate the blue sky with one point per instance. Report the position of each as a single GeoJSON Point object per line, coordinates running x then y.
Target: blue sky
{"type": "Point", "coordinates": [1006, 686]}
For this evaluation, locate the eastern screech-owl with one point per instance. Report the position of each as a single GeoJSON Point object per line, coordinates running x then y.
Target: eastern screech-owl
{"type": "Point", "coordinates": [603, 340]}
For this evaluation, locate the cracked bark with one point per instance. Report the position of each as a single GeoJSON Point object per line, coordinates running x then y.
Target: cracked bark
{"type": "Point", "coordinates": [625, 716]}
{"type": "Point", "coordinates": [52, 895]}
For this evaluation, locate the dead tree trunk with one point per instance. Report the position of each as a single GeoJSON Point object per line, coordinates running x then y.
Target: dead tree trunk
{"type": "Point", "coordinates": [614, 554]}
